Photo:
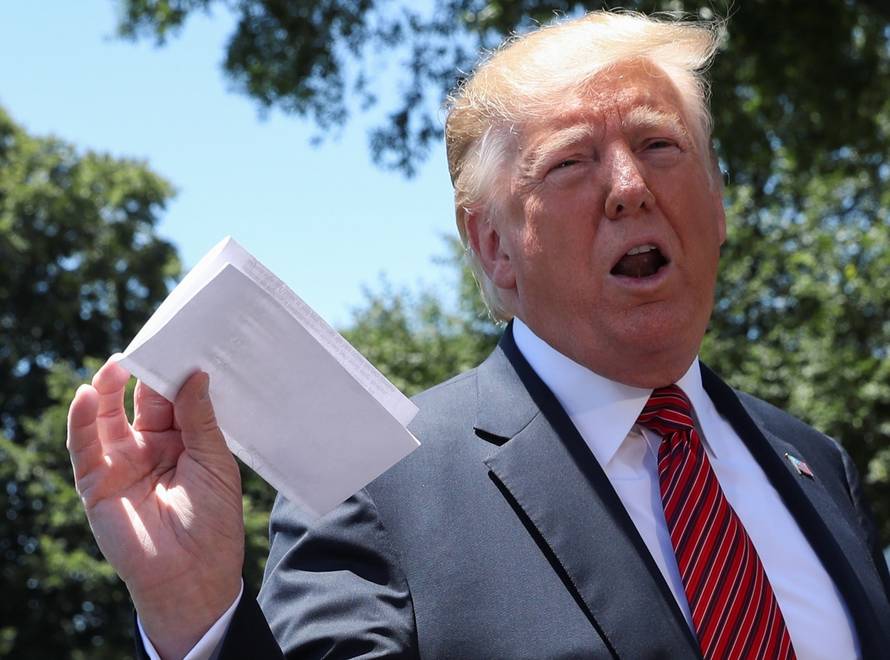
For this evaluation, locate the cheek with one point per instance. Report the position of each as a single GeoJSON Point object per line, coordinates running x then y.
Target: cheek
{"type": "Point", "coordinates": [532, 234]}
{"type": "Point", "coordinates": [698, 219]}
{"type": "Point", "coordinates": [559, 233]}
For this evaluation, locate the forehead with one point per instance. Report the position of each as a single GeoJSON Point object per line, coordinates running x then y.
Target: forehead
{"type": "Point", "coordinates": [631, 95]}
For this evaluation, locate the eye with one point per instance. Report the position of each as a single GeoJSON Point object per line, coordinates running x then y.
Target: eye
{"type": "Point", "coordinates": [566, 163]}
{"type": "Point", "coordinates": [659, 143]}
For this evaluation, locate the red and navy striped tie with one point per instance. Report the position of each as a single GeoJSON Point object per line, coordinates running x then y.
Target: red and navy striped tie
{"type": "Point", "coordinates": [733, 607]}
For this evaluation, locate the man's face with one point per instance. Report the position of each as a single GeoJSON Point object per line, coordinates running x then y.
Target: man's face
{"type": "Point", "coordinates": [608, 246]}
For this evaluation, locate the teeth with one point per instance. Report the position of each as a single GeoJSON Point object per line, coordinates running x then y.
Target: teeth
{"type": "Point", "coordinates": [640, 249]}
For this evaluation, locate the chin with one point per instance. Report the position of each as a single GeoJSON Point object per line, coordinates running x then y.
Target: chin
{"type": "Point", "coordinates": [659, 355]}
{"type": "Point", "coordinates": [657, 368]}
{"type": "Point", "coordinates": [664, 328]}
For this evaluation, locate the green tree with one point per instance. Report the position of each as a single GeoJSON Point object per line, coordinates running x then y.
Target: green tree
{"type": "Point", "coordinates": [80, 270]}
{"type": "Point", "coordinates": [61, 599]}
{"type": "Point", "coordinates": [802, 316]}
{"type": "Point", "coordinates": [416, 339]}
{"type": "Point", "coordinates": [80, 265]}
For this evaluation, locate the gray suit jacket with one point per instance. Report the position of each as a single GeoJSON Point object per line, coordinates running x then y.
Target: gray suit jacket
{"type": "Point", "coordinates": [501, 537]}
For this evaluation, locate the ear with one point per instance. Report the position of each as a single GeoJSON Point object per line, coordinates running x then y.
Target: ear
{"type": "Point", "coordinates": [487, 242]}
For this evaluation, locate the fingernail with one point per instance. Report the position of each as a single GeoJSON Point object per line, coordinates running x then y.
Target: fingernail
{"type": "Point", "coordinates": [204, 392]}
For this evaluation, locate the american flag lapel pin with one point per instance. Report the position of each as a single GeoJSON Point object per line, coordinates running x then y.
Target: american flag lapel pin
{"type": "Point", "coordinates": [802, 468]}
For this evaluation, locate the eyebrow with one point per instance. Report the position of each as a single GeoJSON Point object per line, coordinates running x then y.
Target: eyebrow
{"type": "Point", "coordinates": [643, 117]}
{"type": "Point", "coordinates": [561, 139]}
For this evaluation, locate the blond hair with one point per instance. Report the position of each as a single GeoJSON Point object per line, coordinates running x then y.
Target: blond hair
{"type": "Point", "coordinates": [528, 78]}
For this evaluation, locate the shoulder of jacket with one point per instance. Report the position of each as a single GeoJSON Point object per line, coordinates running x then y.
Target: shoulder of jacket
{"type": "Point", "coordinates": [455, 396]}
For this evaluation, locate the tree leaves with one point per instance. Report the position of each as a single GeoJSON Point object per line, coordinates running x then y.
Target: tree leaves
{"type": "Point", "coordinates": [61, 598]}
{"type": "Point", "coordinates": [80, 270]}
{"type": "Point", "coordinates": [80, 266]}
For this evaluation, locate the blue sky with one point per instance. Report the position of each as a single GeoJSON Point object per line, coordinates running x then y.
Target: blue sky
{"type": "Point", "coordinates": [324, 219]}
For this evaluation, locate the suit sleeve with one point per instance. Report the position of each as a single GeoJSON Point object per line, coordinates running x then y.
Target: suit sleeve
{"type": "Point", "coordinates": [866, 520]}
{"type": "Point", "coordinates": [332, 589]}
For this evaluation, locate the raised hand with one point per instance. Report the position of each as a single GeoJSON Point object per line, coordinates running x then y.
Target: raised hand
{"type": "Point", "coordinates": [163, 498]}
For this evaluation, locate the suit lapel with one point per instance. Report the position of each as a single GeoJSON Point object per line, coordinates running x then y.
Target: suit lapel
{"type": "Point", "coordinates": [829, 532]}
{"type": "Point", "coordinates": [565, 500]}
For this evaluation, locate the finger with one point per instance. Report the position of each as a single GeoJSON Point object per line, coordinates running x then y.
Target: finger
{"type": "Point", "coordinates": [110, 382]}
{"type": "Point", "coordinates": [83, 437]}
{"type": "Point", "coordinates": [153, 411]}
{"type": "Point", "coordinates": [195, 416]}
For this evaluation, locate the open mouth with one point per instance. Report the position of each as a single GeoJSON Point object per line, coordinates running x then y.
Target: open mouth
{"type": "Point", "coordinates": [640, 261]}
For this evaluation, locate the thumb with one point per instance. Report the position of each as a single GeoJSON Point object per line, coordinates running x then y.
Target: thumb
{"type": "Point", "coordinates": [197, 421]}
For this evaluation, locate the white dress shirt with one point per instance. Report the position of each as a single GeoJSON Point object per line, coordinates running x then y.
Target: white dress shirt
{"type": "Point", "coordinates": [605, 414]}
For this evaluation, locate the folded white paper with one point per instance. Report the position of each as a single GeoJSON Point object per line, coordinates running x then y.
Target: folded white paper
{"type": "Point", "coordinates": [294, 400]}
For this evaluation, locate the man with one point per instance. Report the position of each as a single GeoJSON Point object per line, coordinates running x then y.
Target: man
{"type": "Point", "coordinates": [590, 490]}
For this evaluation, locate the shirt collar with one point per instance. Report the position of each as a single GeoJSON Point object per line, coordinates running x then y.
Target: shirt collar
{"type": "Point", "coordinates": [603, 410]}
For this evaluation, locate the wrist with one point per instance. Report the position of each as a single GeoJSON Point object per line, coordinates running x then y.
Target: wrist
{"type": "Point", "coordinates": [177, 616]}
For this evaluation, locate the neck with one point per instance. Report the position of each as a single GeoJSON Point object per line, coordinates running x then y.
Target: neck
{"type": "Point", "coordinates": [642, 369]}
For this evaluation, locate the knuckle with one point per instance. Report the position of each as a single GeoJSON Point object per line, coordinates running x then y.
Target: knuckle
{"type": "Point", "coordinates": [207, 424]}
{"type": "Point", "coordinates": [201, 423]}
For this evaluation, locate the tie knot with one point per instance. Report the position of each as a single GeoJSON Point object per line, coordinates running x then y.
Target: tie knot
{"type": "Point", "coordinates": [667, 411]}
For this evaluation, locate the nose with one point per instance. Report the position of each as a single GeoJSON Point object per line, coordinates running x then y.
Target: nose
{"type": "Point", "coordinates": [628, 192]}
